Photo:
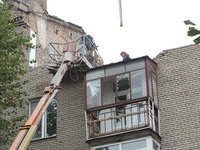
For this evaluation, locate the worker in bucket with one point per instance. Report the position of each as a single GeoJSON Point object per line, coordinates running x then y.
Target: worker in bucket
{"type": "Point", "coordinates": [87, 44]}
{"type": "Point", "coordinates": [125, 56]}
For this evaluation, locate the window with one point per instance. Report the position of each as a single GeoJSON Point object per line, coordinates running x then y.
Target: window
{"type": "Point", "coordinates": [120, 82]}
{"type": "Point", "coordinates": [152, 83]}
{"type": "Point", "coordinates": [123, 87]}
{"type": "Point", "coordinates": [138, 84]}
{"type": "Point", "coordinates": [93, 93]}
{"type": "Point", "coordinates": [134, 145]}
{"type": "Point", "coordinates": [147, 143]}
{"type": "Point", "coordinates": [47, 125]}
{"type": "Point", "coordinates": [108, 90]}
{"type": "Point", "coordinates": [114, 147]}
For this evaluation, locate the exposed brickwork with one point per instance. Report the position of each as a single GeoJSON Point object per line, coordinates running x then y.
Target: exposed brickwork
{"type": "Point", "coordinates": [71, 129]}
{"type": "Point", "coordinates": [178, 73]}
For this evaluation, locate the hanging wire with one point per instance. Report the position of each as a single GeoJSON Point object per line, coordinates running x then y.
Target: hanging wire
{"type": "Point", "coordinates": [70, 74]}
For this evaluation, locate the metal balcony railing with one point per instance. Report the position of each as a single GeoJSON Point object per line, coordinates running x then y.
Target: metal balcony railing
{"type": "Point", "coordinates": [122, 118]}
{"type": "Point", "coordinates": [55, 52]}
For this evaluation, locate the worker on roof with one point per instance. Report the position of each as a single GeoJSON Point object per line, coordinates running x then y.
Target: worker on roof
{"type": "Point", "coordinates": [125, 56]}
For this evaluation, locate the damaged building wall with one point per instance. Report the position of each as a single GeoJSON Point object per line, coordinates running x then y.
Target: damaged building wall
{"type": "Point", "coordinates": [70, 100]}
{"type": "Point", "coordinates": [48, 28]}
{"type": "Point", "coordinates": [178, 73]}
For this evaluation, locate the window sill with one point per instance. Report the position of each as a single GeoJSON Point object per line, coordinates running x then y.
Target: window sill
{"type": "Point", "coordinates": [38, 139]}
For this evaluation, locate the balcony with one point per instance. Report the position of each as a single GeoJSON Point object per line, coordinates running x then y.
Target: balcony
{"type": "Point", "coordinates": [122, 98]}
{"type": "Point", "coordinates": [122, 118]}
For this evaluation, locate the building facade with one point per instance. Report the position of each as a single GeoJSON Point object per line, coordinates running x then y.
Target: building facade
{"type": "Point", "coordinates": [141, 104]}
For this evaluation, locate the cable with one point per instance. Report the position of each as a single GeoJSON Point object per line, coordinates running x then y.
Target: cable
{"type": "Point", "coordinates": [70, 74]}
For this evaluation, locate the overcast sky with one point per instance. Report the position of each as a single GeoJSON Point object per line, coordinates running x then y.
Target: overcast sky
{"type": "Point", "coordinates": [150, 26]}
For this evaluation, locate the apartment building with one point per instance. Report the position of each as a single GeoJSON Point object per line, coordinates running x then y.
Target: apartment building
{"type": "Point", "coordinates": [140, 104]}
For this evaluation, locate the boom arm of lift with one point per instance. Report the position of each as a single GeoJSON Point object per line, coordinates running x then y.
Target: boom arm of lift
{"type": "Point", "coordinates": [27, 131]}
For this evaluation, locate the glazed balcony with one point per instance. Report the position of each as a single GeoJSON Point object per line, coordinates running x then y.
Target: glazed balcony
{"type": "Point", "coordinates": [122, 97]}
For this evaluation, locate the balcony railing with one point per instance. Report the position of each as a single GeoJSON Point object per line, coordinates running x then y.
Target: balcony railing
{"type": "Point", "coordinates": [122, 118]}
{"type": "Point", "coordinates": [55, 50]}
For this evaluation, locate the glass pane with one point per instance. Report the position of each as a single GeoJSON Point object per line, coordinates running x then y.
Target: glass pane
{"type": "Point", "coordinates": [106, 126]}
{"type": "Point", "coordinates": [93, 93]}
{"type": "Point", "coordinates": [138, 84]}
{"type": "Point", "coordinates": [114, 147]}
{"type": "Point", "coordinates": [108, 90]}
{"type": "Point", "coordinates": [113, 70]}
{"type": "Point", "coordinates": [151, 69]}
{"type": "Point", "coordinates": [134, 117]}
{"type": "Point", "coordinates": [51, 118]}
{"type": "Point", "coordinates": [141, 116]}
{"type": "Point", "coordinates": [155, 92]}
{"type": "Point", "coordinates": [120, 122]}
{"type": "Point", "coordinates": [134, 145]}
{"type": "Point", "coordinates": [123, 87]}
{"type": "Point", "coordinates": [150, 85]}
{"type": "Point", "coordinates": [95, 74]}
{"type": "Point", "coordinates": [135, 65]}
{"type": "Point", "coordinates": [38, 133]}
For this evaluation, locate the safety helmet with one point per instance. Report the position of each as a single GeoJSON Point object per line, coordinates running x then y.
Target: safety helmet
{"type": "Point", "coordinates": [123, 52]}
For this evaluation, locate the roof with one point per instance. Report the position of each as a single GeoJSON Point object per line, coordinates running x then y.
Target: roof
{"type": "Point", "coordinates": [121, 62]}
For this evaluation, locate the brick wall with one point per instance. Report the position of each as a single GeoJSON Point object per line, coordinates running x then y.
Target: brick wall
{"type": "Point", "coordinates": [178, 73]}
{"type": "Point", "coordinates": [71, 129]}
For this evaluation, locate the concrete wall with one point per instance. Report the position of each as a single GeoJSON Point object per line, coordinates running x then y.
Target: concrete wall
{"type": "Point", "coordinates": [178, 73]}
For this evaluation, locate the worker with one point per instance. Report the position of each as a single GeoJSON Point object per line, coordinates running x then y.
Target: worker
{"type": "Point", "coordinates": [125, 56]}
{"type": "Point", "coordinates": [87, 43]}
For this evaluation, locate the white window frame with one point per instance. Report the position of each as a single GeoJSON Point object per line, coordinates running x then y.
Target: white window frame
{"type": "Point", "coordinates": [44, 122]}
{"type": "Point", "coordinates": [149, 143]}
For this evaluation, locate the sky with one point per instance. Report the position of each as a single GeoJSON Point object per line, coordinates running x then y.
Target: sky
{"type": "Point", "coordinates": [149, 26]}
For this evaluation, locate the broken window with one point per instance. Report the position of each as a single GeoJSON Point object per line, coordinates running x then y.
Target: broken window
{"type": "Point", "coordinates": [123, 87]}
{"type": "Point", "coordinates": [93, 93]}
{"type": "Point", "coordinates": [47, 125]}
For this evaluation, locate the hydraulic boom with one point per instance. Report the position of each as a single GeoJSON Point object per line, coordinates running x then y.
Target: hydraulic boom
{"type": "Point", "coordinates": [27, 131]}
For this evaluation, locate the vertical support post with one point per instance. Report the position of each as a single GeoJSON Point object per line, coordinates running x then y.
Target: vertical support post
{"type": "Point", "coordinates": [150, 120]}
{"type": "Point", "coordinates": [153, 116]}
{"type": "Point", "coordinates": [147, 111]}
{"type": "Point", "coordinates": [90, 124]}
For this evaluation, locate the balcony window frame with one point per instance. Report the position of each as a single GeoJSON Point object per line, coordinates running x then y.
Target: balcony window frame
{"type": "Point", "coordinates": [103, 75]}
{"type": "Point", "coordinates": [149, 144]}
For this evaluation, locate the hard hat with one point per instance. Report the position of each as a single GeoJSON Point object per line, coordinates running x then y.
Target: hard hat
{"type": "Point", "coordinates": [122, 53]}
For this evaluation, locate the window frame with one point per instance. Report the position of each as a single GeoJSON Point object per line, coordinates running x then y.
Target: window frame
{"type": "Point", "coordinates": [149, 143]}
{"type": "Point", "coordinates": [103, 75]}
{"type": "Point", "coordinates": [43, 119]}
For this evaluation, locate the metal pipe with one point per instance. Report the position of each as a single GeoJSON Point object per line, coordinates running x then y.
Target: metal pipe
{"type": "Point", "coordinates": [120, 13]}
